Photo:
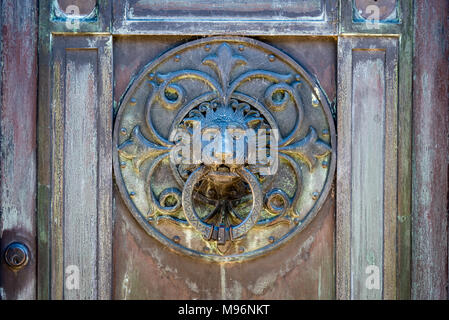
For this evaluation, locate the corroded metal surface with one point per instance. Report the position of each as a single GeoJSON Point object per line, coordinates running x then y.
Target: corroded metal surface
{"type": "Point", "coordinates": [224, 209]}
{"type": "Point", "coordinates": [18, 85]}
{"type": "Point", "coordinates": [213, 17]}
{"type": "Point", "coordinates": [429, 265]}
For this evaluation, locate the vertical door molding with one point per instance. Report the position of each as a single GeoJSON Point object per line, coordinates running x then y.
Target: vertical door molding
{"type": "Point", "coordinates": [430, 151]}
{"type": "Point", "coordinates": [367, 167]}
{"type": "Point", "coordinates": [81, 166]}
{"type": "Point", "coordinates": [18, 82]}
{"type": "Point", "coordinates": [74, 148]}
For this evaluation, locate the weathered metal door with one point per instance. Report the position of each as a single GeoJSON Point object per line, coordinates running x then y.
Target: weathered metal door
{"type": "Point", "coordinates": [221, 150]}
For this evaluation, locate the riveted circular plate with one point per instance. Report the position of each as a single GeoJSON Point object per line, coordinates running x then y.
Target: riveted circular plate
{"type": "Point", "coordinates": [235, 210]}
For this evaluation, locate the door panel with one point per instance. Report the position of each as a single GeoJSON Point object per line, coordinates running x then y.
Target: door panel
{"type": "Point", "coordinates": [80, 240]}
{"type": "Point", "coordinates": [303, 268]}
{"type": "Point", "coordinates": [368, 140]}
{"type": "Point", "coordinates": [225, 17]}
{"type": "Point", "coordinates": [18, 85]}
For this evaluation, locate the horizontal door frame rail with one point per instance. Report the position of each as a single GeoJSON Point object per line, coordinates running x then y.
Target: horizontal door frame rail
{"type": "Point", "coordinates": [105, 22]}
{"type": "Point", "coordinates": [325, 18]}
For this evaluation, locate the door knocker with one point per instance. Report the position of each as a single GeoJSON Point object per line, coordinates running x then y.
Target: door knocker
{"type": "Point", "coordinates": [224, 148]}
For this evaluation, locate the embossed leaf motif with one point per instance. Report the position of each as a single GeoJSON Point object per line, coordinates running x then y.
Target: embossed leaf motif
{"type": "Point", "coordinates": [138, 148]}
{"type": "Point", "coordinates": [308, 149]}
{"type": "Point", "coordinates": [223, 62]}
{"type": "Point", "coordinates": [227, 187]}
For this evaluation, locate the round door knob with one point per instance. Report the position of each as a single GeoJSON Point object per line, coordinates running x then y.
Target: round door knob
{"type": "Point", "coordinates": [16, 255]}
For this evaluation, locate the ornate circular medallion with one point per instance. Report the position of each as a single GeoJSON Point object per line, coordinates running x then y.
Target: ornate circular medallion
{"type": "Point", "coordinates": [224, 148]}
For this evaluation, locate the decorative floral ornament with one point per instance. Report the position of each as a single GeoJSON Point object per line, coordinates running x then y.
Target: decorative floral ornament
{"type": "Point", "coordinates": [225, 185]}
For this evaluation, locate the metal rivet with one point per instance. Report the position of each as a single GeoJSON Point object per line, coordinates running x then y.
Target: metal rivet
{"type": "Point", "coordinates": [176, 239]}
{"type": "Point", "coordinates": [271, 239]}
{"type": "Point", "coordinates": [315, 101]}
{"type": "Point", "coordinates": [133, 101]}
{"type": "Point", "coordinates": [296, 220]}
{"type": "Point", "coordinates": [315, 195]}
{"type": "Point", "coordinates": [206, 249]}
{"type": "Point", "coordinates": [207, 47]}
{"type": "Point", "coordinates": [151, 76]}
{"type": "Point", "coordinates": [16, 255]}
{"type": "Point", "coordinates": [325, 164]}
{"type": "Point", "coordinates": [123, 131]}
{"type": "Point", "coordinates": [241, 47]}
{"type": "Point", "coordinates": [271, 57]}
{"type": "Point", "coordinates": [132, 194]}
{"type": "Point", "coordinates": [298, 77]}
{"type": "Point", "coordinates": [325, 132]}
{"type": "Point", "coordinates": [241, 250]}
{"type": "Point", "coordinates": [177, 58]}
{"type": "Point", "coordinates": [122, 164]}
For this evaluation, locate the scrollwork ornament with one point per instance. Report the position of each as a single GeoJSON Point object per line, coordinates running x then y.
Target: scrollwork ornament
{"type": "Point", "coordinates": [222, 150]}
